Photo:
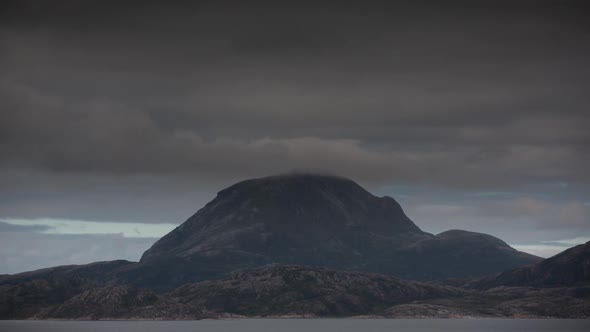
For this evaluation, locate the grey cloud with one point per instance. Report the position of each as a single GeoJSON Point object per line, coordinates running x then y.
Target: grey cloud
{"type": "Point", "coordinates": [139, 198]}
{"type": "Point", "coordinates": [394, 91]}
{"type": "Point", "coordinates": [128, 112]}
{"type": "Point", "coordinates": [103, 136]}
{"type": "Point", "coordinates": [518, 220]}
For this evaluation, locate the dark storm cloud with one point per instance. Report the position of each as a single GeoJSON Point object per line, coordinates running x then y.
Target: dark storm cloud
{"type": "Point", "coordinates": [484, 95]}
{"type": "Point", "coordinates": [141, 111]}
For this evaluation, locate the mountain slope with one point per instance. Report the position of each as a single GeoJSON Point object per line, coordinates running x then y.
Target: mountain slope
{"type": "Point", "coordinates": [460, 254]}
{"type": "Point", "coordinates": [100, 272]}
{"type": "Point", "coordinates": [568, 268]}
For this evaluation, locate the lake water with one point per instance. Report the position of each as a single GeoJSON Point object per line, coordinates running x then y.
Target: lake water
{"type": "Point", "coordinates": [288, 325]}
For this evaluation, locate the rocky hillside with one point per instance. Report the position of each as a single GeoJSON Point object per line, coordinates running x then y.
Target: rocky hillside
{"type": "Point", "coordinates": [300, 290]}
{"type": "Point", "coordinates": [26, 299]}
{"type": "Point", "coordinates": [287, 291]}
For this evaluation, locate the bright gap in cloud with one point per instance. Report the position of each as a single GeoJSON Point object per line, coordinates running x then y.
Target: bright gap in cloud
{"type": "Point", "coordinates": [73, 227]}
{"type": "Point", "coordinates": [550, 248]}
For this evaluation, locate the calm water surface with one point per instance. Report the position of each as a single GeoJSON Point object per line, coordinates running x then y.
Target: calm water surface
{"type": "Point", "coordinates": [324, 325]}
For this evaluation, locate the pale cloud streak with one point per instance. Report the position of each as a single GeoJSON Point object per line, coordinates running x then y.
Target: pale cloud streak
{"type": "Point", "coordinates": [82, 227]}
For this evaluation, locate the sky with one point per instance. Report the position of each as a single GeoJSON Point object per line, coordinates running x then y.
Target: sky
{"type": "Point", "coordinates": [119, 120]}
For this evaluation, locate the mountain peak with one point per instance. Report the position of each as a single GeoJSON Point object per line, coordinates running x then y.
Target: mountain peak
{"type": "Point", "coordinates": [292, 183]}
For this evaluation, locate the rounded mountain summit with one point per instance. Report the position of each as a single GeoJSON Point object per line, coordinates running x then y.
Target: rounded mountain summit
{"type": "Point", "coordinates": [315, 220]}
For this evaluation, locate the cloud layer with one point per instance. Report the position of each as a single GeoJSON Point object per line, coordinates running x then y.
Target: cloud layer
{"type": "Point", "coordinates": [139, 114]}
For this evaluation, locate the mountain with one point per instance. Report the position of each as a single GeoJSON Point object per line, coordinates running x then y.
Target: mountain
{"type": "Point", "coordinates": [316, 220]}
{"type": "Point", "coordinates": [319, 220]}
{"type": "Point", "coordinates": [298, 219]}
{"type": "Point", "coordinates": [568, 268]}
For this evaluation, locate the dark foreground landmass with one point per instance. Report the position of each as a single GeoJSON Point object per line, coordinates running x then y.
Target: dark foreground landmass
{"type": "Point", "coordinates": [288, 291]}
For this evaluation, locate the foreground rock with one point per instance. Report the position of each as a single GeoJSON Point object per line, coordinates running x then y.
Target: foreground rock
{"type": "Point", "coordinates": [287, 291]}
{"type": "Point", "coordinates": [121, 302]}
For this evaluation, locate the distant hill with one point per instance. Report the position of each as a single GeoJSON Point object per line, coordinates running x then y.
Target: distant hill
{"type": "Point", "coordinates": [568, 268]}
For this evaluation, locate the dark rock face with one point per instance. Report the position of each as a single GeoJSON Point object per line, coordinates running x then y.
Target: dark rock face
{"type": "Point", "coordinates": [569, 268]}
{"type": "Point", "coordinates": [316, 221]}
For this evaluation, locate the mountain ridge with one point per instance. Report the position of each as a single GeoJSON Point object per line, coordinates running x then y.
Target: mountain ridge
{"type": "Point", "coordinates": [302, 219]}
{"type": "Point", "coordinates": [354, 252]}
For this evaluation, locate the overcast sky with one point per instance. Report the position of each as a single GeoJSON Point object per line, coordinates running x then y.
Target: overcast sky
{"type": "Point", "coordinates": [119, 120]}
